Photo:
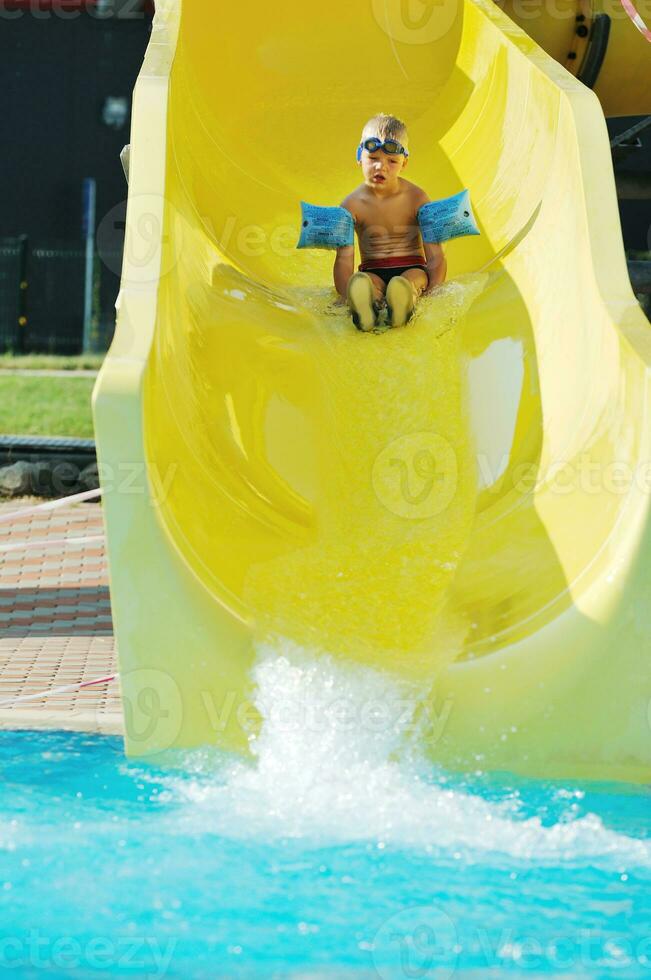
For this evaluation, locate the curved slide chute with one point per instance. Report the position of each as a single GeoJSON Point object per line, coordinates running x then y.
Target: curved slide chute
{"type": "Point", "coordinates": [464, 502]}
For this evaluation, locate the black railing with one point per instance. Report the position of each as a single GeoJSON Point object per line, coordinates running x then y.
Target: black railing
{"type": "Point", "coordinates": [13, 294]}
{"type": "Point", "coordinates": [42, 297]}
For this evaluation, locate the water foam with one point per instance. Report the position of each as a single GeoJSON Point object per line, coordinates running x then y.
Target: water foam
{"type": "Point", "coordinates": [337, 761]}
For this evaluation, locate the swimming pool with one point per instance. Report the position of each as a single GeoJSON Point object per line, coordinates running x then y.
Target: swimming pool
{"type": "Point", "coordinates": [327, 856]}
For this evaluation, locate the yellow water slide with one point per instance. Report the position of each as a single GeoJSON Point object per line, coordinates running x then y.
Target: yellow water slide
{"type": "Point", "coordinates": [464, 502]}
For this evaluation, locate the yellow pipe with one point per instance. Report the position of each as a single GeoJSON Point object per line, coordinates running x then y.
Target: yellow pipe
{"type": "Point", "coordinates": [461, 502]}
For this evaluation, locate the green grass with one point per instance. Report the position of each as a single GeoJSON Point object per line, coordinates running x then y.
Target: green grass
{"type": "Point", "coordinates": [46, 406]}
{"type": "Point", "coordinates": [52, 362]}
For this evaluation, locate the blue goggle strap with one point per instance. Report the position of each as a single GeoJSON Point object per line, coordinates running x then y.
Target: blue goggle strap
{"type": "Point", "coordinates": [360, 150]}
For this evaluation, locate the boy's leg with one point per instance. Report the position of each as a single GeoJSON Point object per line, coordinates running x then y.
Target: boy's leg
{"type": "Point", "coordinates": [379, 287]}
{"type": "Point", "coordinates": [419, 280]}
{"type": "Point", "coordinates": [402, 293]}
{"type": "Point", "coordinates": [365, 294]}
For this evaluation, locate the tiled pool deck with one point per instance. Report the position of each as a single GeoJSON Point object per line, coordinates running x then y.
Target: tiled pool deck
{"type": "Point", "coordinates": [55, 619]}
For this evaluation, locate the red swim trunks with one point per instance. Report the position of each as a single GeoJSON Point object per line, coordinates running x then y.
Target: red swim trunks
{"type": "Point", "coordinates": [393, 265]}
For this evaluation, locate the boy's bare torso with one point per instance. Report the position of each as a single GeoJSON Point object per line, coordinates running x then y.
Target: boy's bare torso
{"type": "Point", "coordinates": [387, 226]}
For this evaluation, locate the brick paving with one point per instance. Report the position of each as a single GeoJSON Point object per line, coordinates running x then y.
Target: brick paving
{"type": "Point", "coordinates": [55, 619]}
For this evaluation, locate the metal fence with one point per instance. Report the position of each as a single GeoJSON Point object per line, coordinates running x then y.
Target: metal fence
{"type": "Point", "coordinates": [42, 296]}
{"type": "Point", "coordinates": [12, 260]}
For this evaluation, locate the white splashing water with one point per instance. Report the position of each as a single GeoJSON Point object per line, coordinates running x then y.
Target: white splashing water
{"type": "Point", "coordinates": [337, 761]}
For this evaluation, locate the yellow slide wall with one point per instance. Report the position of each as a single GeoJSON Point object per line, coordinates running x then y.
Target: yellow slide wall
{"type": "Point", "coordinates": [463, 502]}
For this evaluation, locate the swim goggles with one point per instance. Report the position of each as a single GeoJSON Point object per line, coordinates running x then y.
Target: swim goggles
{"type": "Point", "coordinates": [373, 144]}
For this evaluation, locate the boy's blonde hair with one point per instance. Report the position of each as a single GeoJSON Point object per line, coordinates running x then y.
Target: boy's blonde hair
{"type": "Point", "coordinates": [386, 127]}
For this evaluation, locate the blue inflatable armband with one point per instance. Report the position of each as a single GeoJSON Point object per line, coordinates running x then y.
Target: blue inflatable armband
{"type": "Point", "coordinates": [450, 218]}
{"type": "Point", "coordinates": [325, 227]}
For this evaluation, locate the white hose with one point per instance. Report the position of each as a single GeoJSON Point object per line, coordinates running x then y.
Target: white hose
{"type": "Point", "coordinates": [50, 505]}
{"type": "Point", "coordinates": [42, 545]}
{"type": "Point", "coordinates": [56, 690]}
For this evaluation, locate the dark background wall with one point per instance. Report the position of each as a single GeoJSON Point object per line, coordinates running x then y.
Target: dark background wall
{"type": "Point", "coordinates": [57, 68]}
{"type": "Point", "coordinates": [634, 162]}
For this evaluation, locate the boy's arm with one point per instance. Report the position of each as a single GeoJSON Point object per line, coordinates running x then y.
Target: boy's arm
{"type": "Point", "coordinates": [345, 259]}
{"type": "Point", "coordinates": [437, 266]}
{"type": "Point", "coordinates": [344, 268]}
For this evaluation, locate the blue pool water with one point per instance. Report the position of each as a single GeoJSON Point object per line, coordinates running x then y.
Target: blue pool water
{"type": "Point", "coordinates": [325, 857]}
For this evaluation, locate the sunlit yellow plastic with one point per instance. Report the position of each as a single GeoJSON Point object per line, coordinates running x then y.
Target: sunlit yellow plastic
{"type": "Point", "coordinates": [464, 502]}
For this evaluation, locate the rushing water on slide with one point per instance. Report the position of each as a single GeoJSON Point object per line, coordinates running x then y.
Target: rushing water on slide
{"type": "Point", "coordinates": [395, 487]}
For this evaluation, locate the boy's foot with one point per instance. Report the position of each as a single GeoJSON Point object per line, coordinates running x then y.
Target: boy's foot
{"type": "Point", "coordinates": [360, 299]}
{"type": "Point", "coordinates": [400, 301]}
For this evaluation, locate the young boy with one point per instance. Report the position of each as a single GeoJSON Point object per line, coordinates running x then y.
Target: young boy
{"type": "Point", "coordinates": [396, 264]}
